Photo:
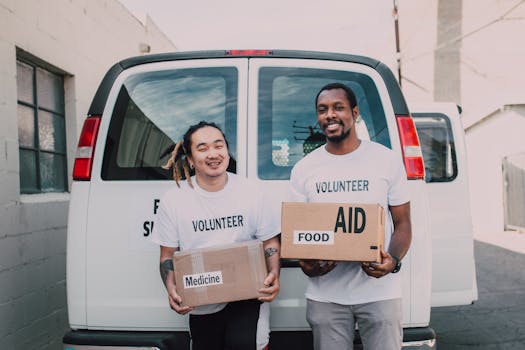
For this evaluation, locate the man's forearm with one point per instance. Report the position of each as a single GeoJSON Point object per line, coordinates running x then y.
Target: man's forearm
{"type": "Point", "coordinates": [402, 235]}
{"type": "Point", "coordinates": [166, 270]}
{"type": "Point", "coordinates": [272, 253]}
{"type": "Point", "coordinates": [400, 243]}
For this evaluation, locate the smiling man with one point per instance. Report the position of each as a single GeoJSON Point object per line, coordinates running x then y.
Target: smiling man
{"type": "Point", "coordinates": [349, 170]}
{"type": "Point", "coordinates": [211, 208]}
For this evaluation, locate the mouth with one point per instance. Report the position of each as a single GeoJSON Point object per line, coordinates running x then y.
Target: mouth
{"type": "Point", "coordinates": [214, 164]}
{"type": "Point", "coordinates": [332, 126]}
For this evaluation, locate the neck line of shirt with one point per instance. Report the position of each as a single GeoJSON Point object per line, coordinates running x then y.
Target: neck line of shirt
{"type": "Point", "coordinates": [351, 154]}
{"type": "Point", "coordinates": [213, 194]}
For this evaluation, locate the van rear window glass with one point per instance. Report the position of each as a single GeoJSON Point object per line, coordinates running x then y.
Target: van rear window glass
{"type": "Point", "coordinates": [287, 123]}
{"type": "Point", "coordinates": [437, 145]}
{"type": "Point", "coordinates": [153, 111]}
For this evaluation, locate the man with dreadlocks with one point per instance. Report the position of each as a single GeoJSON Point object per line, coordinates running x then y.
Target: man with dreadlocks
{"type": "Point", "coordinates": [238, 213]}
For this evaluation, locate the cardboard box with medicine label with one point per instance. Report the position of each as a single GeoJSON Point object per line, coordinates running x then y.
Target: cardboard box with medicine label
{"type": "Point", "coordinates": [332, 231]}
{"type": "Point", "coordinates": [220, 274]}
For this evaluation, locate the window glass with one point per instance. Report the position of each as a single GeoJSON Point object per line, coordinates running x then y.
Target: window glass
{"type": "Point", "coordinates": [24, 82]}
{"type": "Point", "coordinates": [153, 111]}
{"type": "Point", "coordinates": [41, 129]}
{"type": "Point", "coordinates": [52, 169]}
{"type": "Point", "coordinates": [49, 88]}
{"type": "Point", "coordinates": [28, 171]}
{"type": "Point", "coordinates": [288, 127]}
{"type": "Point", "coordinates": [26, 126]}
{"type": "Point", "coordinates": [51, 131]}
{"type": "Point", "coordinates": [437, 145]}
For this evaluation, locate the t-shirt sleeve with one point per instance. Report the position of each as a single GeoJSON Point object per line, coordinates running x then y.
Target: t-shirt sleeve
{"type": "Point", "coordinates": [398, 192]}
{"type": "Point", "coordinates": [296, 190]}
{"type": "Point", "coordinates": [268, 216]}
{"type": "Point", "coordinates": [165, 230]}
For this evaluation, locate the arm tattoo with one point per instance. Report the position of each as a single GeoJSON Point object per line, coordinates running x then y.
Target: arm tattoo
{"type": "Point", "coordinates": [165, 267]}
{"type": "Point", "coordinates": [268, 252]}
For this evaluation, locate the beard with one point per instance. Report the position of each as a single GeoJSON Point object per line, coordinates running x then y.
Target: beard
{"type": "Point", "coordinates": [339, 138]}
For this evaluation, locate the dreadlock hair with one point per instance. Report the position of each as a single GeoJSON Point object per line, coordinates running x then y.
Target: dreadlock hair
{"type": "Point", "coordinates": [181, 151]}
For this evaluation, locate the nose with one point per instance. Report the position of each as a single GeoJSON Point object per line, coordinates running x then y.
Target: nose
{"type": "Point", "coordinates": [331, 112]}
{"type": "Point", "coordinates": [213, 153]}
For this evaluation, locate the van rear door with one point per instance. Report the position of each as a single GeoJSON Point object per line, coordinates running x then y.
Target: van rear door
{"type": "Point", "coordinates": [282, 127]}
{"type": "Point", "coordinates": [148, 109]}
{"type": "Point", "coordinates": [442, 141]}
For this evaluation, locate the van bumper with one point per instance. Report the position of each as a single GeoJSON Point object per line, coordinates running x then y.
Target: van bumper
{"type": "Point", "coordinates": [125, 340]}
{"type": "Point", "coordinates": [422, 338]}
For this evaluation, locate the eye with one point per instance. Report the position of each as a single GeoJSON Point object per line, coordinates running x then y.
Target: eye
{"type": "Point", "coordinates": [321, 110]}
{"type": "Point", "coordinates": [340, 108]}
{"type": "Point", "coordinates": [219, 144]}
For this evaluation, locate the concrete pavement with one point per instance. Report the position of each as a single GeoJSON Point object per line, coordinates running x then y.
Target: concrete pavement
{"type": "Point", "coordinates": [496, 321]}
{"type": "Point", "coordinates": [511, 240]}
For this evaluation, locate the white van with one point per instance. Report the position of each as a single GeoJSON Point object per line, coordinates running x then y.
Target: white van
{"type": "Point", "coordinates": [442, 139]}
{"type": "Point", "coordinates": [264, 102]}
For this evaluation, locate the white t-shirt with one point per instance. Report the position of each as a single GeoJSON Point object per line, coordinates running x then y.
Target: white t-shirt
{"type": "Point", "coordinates": [192, 218]}
{"type": "Point", "coordinates": [372, 174]}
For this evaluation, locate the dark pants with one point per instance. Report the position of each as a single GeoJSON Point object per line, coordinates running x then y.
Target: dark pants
{"type": "Point", "coordinates": [232, 328]}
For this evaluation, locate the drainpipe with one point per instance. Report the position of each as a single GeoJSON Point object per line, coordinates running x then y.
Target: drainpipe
{"type": "Point", "coordinates": [398, 48]}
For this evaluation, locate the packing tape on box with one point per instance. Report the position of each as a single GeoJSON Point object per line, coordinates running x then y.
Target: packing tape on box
{"type": "Point", "coordinates": [197, 265]}
{"type": "Point", "coordinates": [254, 254]}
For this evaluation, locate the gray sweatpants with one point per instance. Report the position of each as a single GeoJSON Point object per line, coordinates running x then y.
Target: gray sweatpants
{"type": "Point", "coordinates": [333, 325]}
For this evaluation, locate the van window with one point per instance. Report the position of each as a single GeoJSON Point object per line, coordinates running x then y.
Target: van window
{"type": "Point", "coordinates": [287, 121]}
{"type": "Point", "coordinates": [437, 145]}
{"type": "Point", "coordinates": [153, 111]}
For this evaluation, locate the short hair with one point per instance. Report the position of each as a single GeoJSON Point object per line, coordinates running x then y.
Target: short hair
{"type": "Point", "coordinates": [350, 96]}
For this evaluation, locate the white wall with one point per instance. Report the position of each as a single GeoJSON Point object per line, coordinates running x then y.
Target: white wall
{"type": "Point", "coordinates": [500, 134]}
{"type": "Point", "coordinates": [491, 75]}
{"type": "Point", "coordinates": [418, 34]}
{"type": "Point", "coordinates": [491, 53]}
{"type": "Point", "coordinates": [82, 38]}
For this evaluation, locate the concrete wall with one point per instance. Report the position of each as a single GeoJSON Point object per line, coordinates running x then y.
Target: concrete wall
{"type": "Point", "coordinates": [489, 140]}
{"type": "Point", "coordinates": [82, 38]}
{"type": "Point", "coordinates": [447, 54]}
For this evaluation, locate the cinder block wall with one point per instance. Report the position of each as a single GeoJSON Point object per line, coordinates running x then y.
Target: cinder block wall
{"type": "Point", "coordinates": [82, 38]}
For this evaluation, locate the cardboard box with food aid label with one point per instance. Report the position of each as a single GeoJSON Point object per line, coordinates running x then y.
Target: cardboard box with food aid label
{"type": "Point", "coordinates": [332, 231]}
{"type": "Point", "coordinates": [220, 274]}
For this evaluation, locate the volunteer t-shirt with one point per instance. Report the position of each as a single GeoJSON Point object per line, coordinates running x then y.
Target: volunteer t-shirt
{"type": "Point", "coordinates": [192, 218]}
{"type": "Point", "coordinates": [372, 174]}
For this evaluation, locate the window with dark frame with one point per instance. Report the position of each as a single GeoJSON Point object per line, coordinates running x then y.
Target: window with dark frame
{"type": "Point", "coordinates": [437, 144]}
{"type": "Point", "coordinates": [154, 109]}
{"type": "Point", "coordinates": [287, 120]}
{"type": "Point", "coordinates": [41, 129]}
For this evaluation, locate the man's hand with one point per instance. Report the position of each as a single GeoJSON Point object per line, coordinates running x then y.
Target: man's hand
{"type": "Point", "coordinates": [176, 302]}
{"type": "Point", "coordinates": [271, 287]}
{"type": "Point", "coordinates": [314, 268]}
{"type": "Point", "coordinates": [377, 270]}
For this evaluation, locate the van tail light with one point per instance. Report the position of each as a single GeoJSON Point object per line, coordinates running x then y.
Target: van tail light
{"type": "Point", "coordinates": [412, 155]}
{"type": "Point", "coordinates": [86, 149]}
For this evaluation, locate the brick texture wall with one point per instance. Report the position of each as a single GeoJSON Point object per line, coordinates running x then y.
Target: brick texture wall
{"type": "Point", "coordinates": [82, 38]}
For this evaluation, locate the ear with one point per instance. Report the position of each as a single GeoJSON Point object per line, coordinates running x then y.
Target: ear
{"type": "Point", "coordinates": [355, 112]}
{"type": "Point", "coordinates": [190, 161]}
